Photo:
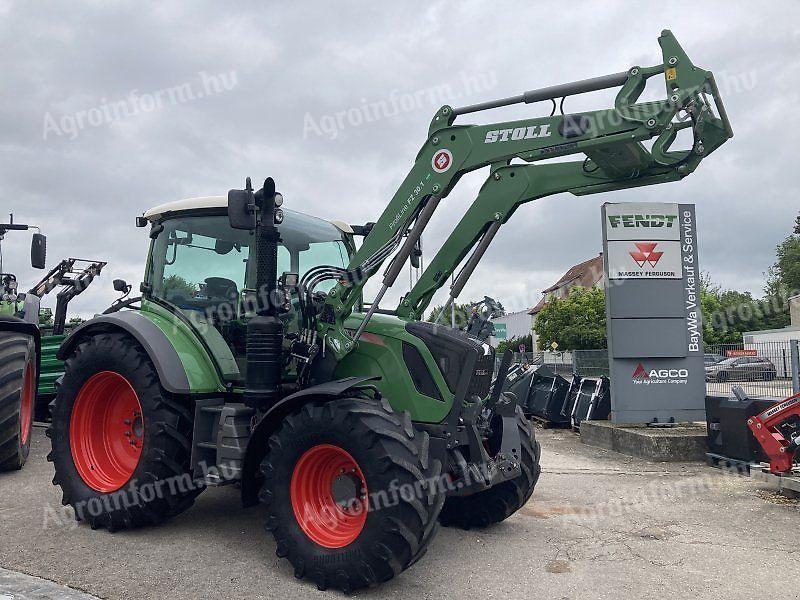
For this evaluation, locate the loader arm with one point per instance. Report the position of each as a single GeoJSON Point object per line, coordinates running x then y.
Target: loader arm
{"type": "Point", "coordinates": [612, 141]}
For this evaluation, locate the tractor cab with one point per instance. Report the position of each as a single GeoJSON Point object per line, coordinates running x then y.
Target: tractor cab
{"type": "Point", "coordinates": [204, 268]}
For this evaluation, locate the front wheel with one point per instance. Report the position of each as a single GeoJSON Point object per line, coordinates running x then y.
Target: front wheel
{"type": "Point", "coordinates": [501, 501]}
{"type": "Point", "coordinates": [352, 497]}
{"type": "Point", "coordinates": [17, 398]}
{"type": "Point", "coordinates": [120, 447]}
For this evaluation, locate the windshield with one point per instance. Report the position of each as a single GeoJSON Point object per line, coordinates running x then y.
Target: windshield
{"type": "Point", "coordinates": [728, 361]}
{"type": "Point", "coordinates": [200, 261]}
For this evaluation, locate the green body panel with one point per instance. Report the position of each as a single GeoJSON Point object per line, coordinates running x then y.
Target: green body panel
{"type": "Point", "coordinates": [380, 353]}
{"type": "Point", "coordinates": [7, 309]}
{"type": "Point", "coordinates": [51, 368]}
{"type": "Point", "coordinates": [199, 365]}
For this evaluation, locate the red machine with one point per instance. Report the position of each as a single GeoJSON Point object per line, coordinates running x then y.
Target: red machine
{"type": "Point", "coordinates": [777, 429]}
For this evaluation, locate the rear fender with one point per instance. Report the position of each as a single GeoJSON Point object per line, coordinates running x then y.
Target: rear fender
{"type": "Point", "coordinates": [174, 376]}
{"type": "Point", "coordinates": [257, 446]}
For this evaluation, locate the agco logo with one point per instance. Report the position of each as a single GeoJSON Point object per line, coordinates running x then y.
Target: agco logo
{"type": "Point", "coordinates": [646, 253]}
{"type": "Point", "coordinates": [643, 376]}
{"type": "Point", "coordinates": [442, 160]}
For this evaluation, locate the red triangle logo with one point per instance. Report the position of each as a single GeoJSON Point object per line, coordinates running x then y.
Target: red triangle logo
{"type": "Point", "coordinates": [640, 372]}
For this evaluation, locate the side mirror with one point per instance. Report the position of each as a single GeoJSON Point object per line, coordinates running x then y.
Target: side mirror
{"type": "Point", "coordinates": [38, 251]}
{"type": "Point", "coordinates": [120, 285]}
{"type": "Point", "coordinates": [242, 209]}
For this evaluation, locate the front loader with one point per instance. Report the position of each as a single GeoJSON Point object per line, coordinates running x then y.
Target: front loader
{"type": "Point", "coordinates": [251, 357]}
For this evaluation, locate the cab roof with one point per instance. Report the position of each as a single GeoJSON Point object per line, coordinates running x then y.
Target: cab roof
{"type": "Point", "coordinates": [202, 202]}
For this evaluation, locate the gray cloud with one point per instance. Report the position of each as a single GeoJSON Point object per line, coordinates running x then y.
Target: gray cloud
{"type": "Point", "coordinates": [294, 60]}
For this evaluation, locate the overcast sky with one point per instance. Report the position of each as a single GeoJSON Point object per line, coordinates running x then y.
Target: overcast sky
{"type": "Point", "coordinates": [97, 125]}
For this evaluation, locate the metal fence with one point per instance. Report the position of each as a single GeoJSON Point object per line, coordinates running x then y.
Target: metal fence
{"type": "Point", "coordinates": [760, 368]}
{"type": "Point", "coordinates": [586, 363]}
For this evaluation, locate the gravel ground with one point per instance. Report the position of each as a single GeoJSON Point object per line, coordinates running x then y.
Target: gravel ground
{"type": "Point", "coordinates": [600, 525]}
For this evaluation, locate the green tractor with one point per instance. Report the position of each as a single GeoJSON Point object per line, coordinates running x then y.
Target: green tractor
{"type": "Point", "coordinates": [29, 365]}
{"type": "Point", "coordinates": [20, 345]}
{"type": "Point", "coordinates": [251, 357]}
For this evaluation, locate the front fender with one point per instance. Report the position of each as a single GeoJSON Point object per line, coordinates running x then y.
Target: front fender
{"type": "Point", "coordinates": [257, 446]}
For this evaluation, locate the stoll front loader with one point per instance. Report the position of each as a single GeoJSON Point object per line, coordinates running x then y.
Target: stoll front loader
{"type": "Point", "coordinates": [251, 357]}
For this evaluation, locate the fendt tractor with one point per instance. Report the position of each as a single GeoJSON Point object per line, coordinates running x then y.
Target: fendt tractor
{"type": "Point", "coordinates": [28, 363]}
{"type": "Point", "coordinates": [20, 345]}
{"type": "Point", "coordinates": [251, 357]}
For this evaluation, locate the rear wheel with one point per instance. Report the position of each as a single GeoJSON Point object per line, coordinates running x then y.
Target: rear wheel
{"type": "Point", "coordinates": [722, 376]}
{"type": "Point", "coordinates": [121, 446]}
{"type": "Point", "coordinates": [17, 398]}
{"type": "Point", "coordinates": [503, 500]}
{"type": "Point", "coordinates": [352, 498]}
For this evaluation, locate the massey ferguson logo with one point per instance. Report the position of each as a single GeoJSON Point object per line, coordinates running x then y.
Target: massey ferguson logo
{"type": "Point", "coordinates": [646, 253]}
{"type": "Point", "coordinates": [642, 376]}
{"type": "Point", "coordinates": [520, 133]}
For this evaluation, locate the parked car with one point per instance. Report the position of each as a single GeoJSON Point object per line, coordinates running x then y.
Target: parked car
{"type": "Point", "coordinates": [712, 359]}
{"type": "Point", "coordinates": [742, 368]}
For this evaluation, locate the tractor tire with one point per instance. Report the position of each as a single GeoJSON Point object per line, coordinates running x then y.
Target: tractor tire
{"type": "Point", "coordinates": [503, 500]}
{"type": "Point", "coordinates": [121, 447]}
{"type": "Point", "coordinates": [17, 398]}
{"type": "Point", "coordinates": [351, 494]}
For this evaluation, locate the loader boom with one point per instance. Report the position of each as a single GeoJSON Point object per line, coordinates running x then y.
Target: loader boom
{"type": "Point", "coordinates": [615, 158]}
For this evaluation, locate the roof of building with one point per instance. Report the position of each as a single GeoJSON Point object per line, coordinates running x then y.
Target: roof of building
{"type": "Point", "coordinates": [585, 274]}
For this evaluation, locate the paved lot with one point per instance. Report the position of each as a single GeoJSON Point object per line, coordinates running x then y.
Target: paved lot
{"type": "Point", "coordinates": [600, 525]}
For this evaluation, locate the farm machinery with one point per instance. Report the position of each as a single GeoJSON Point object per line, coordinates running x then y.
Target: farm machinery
{"type": "Point", "coordinates": [28, 363]}
{"type": "Point", "coordinates": [252, 358]}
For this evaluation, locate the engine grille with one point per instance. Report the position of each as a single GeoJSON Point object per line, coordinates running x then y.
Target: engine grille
{"type": "Point", "coordinates": [482, 377]}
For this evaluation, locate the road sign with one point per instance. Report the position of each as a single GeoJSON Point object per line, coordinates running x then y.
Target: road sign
{"type": "Point", "coordinates": [554, 346]}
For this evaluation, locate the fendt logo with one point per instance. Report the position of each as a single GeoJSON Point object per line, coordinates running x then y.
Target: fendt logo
{"type": "Point", "coordinates": [642, 376]}
{"type": "Point", "coordinates": [646, 253]}
{"type": "Point", "coordinates": [642, 221]}
{"type": "Point", "coordinates": [520, 133]}
{"type": "Point", "coordinates": [442, 160]}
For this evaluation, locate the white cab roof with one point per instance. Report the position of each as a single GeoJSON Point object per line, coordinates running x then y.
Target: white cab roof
{"type": "Point", "coordinates": [209, 202]}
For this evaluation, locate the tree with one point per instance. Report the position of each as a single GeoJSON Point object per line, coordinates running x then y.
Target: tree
{"type": "Point", "coordinates": [45, 317]}
{"type": "Point", "coordinates": [75, 321]}
{"type": "Point", "coordinates": [462, 315]}
{"type": "Point", "coordinates": [577, 322]}
{"type": "Point", "coordinates": [727, 314]}
{"type": "Point", "coordinates": [176, 286]}
{"type": "Point", "coordinates": [797, 225]}
{"type": "Point", "coordinates": [787, 267]}
{"type": "Point", "coordinates": [514, 343]}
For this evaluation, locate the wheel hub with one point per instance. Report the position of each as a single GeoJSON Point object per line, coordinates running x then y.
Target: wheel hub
{"type": "Point", "coordinates": [106, 431]}
{"type": "Point", "coordinates": [329, 496]}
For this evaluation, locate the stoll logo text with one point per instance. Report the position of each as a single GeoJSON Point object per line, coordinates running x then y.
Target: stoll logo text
{"type": "Point", "coordinates": [642, 376]}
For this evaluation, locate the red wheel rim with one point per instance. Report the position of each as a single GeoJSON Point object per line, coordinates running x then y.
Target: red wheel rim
{"type": "Point", "coordinates": [329, 496]}
{"type": "Point", "coordinates": [26, 403]}
{"type": "Point", "coordinates": [106, 431]}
